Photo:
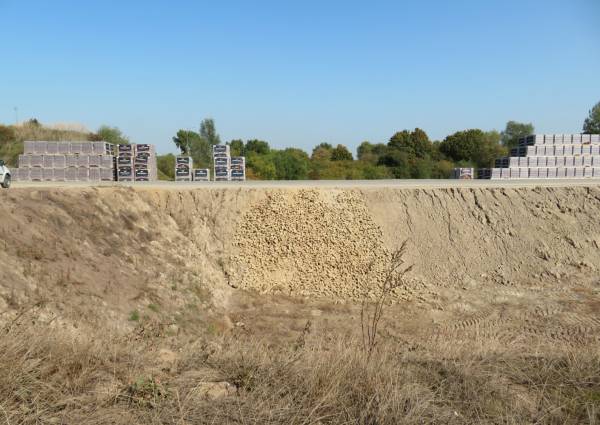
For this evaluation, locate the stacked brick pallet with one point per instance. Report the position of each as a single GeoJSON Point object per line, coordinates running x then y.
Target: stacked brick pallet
{"type": "Point", "coordinates": [66, 161]}
{"type": "Point", "coordinates": [201, 175]}
{"type": "Point", "coordinates": [136, 163]}
{"type": "Point", "coordinates": [549, 156]}
{"type": "Point", "coordinates": [183, 168]}
{"type": "Point", "coordinates": [144, 163]}
{"type": "Point", "coordinates": [184, 171]}
{"type": "Point", "coordinates": [463, 173]}
{"type": "Point", "coordinates": [238, 168]}
{"type": "Point", "coordinates": [228, 168]}
{"type": "Point", "coordinates": [221, 162]}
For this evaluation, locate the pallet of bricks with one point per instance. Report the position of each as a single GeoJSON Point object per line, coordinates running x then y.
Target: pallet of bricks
{"type": "Point", "coordinates": [550, 156]}
{"type": "Point", "coordinates": [201, 174]}
{"type": "Point", "coordinates": [221, 162]}
{"type": "Point", "coordinates": [183, 168]}
{"type": "Point", "coordinates": [463, 173]}
{"type": "Point", "coordinates": [238, 168]}
{"type": "Point", "coordinates": [136, 163]}
{"type": "Point", "coordinates": [144, 163]}
{"type": "Point", "coordinates": [66, 161]}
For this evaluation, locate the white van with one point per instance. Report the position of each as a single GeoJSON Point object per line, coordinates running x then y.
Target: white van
{"type": "Point", "coordinates": [4, 175]}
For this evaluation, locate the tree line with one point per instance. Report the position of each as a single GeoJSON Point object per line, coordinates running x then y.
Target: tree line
{"type": "Point", "coordinates": [407, 153]}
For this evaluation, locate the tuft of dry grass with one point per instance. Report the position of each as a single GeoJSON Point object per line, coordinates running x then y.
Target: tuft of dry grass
{"type": "Point", "coordinates": [50, 376]}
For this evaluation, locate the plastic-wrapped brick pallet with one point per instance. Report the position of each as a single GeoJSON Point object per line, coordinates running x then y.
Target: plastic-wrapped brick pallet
{"type": "Point", "coordinates": [183, 168]}
{"type": "Point", "coordinates": [222, 174]}
{"type": "Point", "coordinates": [238, 175]}
{"type": "Point", "coordinates": [201, 175]}
{"type": "Point", "coordinates": [145, 168]}
{"type": "Point", "coordinates": [463, 173]}
{"type": "Point", "coordinates": [125, 174]}
{"type": "Point", "coordinates": [64, 160]}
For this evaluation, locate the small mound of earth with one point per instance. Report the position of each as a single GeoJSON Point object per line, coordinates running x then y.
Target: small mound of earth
{"type": "Point", "coordinates": [309, 242]}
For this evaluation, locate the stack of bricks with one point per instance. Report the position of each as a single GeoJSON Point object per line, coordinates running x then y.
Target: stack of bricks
{"type": "Point", "coordinates": [221, 162]}
{"type": "Point", "coordinates": [228, 168]}
{"type": "Point", "coordinates": [201, 175]}
{"type": "Point", "coordinates": [183, 168]}
{"type": "Point", "coordinates": [144, 163]}
{"type": "Point", "coordinates": [238, 168]}
{"type": "Point", "coordinates": [548, 156]}
{"type": "Point", "coordinates": [66, 161]}
{"type": "Point", "coordinates": [136, 163]}
{"type": "Point", "coordinates": [125, 157]}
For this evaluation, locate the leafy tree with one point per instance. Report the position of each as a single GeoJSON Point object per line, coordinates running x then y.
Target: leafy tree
{"type": "Point", "coordinates": [364, 151]}
{"type": "Point", "coordinates": [322, 147]}
{"type": "Point", "coordinates": [398, 162]}
{"type": "Point", "coordinates": [193, 144]}
{"type": "Point", "coordinates": [341, 153]}
{"type": "Point", "coordinates": [184, 141]}
{"type": "Point", "coordinates": [260, 166]}
{"type": "Point", "coordinates": [258, 146]}
{"type": "Point", "coordinates": [236, 147]}
{"type": "Point", "coordinates": [374, 172]}
{"type": "Point", "coordinates": [414, 143]}
{"type": "Point", "coordinates": [514, 131]}
{"type": "Point", "coordinates": [32, 122]}
{"type": "Point", "coordinates": [166, 165]}
{"type": "Point", "coordinates": [421, 168]}
{"type": "Point", "coordinates": [291, 164]}
{"type": "Point", "coordinates": [442, 169]}
{"type": "Point", "coordinates": [7, 135]}
{"type": "Point", "coordinates": [592, 122]}
{"type": "Point", "coordinates": [321, 154]}
{"type": "Point", "coordinates": [112, 135]}
{"type": "Point", "coordinates": [208, 132]}
{"type": "Point", "coordinates": [473, 146]}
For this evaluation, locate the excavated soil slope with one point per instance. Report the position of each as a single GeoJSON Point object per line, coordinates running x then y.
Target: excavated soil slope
{"type": "Point", "coordinates": [101, 253]}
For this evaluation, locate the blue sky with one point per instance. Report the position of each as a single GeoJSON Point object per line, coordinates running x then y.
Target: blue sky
{"type": "Point", "coordinates": [300, 73]}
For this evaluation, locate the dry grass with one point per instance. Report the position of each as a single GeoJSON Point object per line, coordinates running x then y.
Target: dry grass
{"type": "Point", "coordinates": [47, 376]}
{"type": "Point", "coordinates": [11, 151]}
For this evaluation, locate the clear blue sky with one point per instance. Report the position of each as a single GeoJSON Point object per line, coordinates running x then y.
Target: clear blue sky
{"type": "Point", "coordinates": [301, 72]}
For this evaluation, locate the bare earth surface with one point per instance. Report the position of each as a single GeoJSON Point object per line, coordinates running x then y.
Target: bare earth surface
{"type": "Point", "coordinates": [503, 268]}
{"type": "Point", "coordinates": [504, 263]}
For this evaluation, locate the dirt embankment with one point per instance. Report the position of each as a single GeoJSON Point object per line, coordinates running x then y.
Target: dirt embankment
{"type": "Point", "coordinates": [106, 253]}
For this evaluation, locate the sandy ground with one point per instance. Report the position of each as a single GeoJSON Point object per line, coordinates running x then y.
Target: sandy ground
{"type": "Point", "coordinates": [508, 264]}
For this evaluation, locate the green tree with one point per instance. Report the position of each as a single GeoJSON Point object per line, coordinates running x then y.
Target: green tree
{"type": "Point", "coordinates": [322, 147]}
{"type": "Point", "coordinates": [32, 122]}
{"type": "Point", "coordinates": [514, 131]}
{"type": "Point", "coordinates": [193, 144]}
{"type": "Point", "coordinates": [398, 162]}
{"type": "Point", "coordinates": [364, 151]}
{"type": "Point", "coordinates": [473, 146]}
{"type": "Point", "coordinates": [442, 169]}
{"type": "Point", "coordinates": [291, 164]}
{"type": "Point", "coordinates": [415, 143]}
{"type": "Point", "coordinates": [184, 139]}
{"type": "Point", "coordinates": [421, 168]}
{"type": "Point", "coordinates": [258, 146]}
{"type": "Point", "coordinates": [112, 135]}
{"type": "Point", "coordinates": [260, 166]}
{"type": "Point", "coordinates": [591, 124]}
{"type": "Point", "coordinates": [166, 166]}
{"type": "Point", "coordinates": [341, 153]}
{"type": "Point", "coordinates": [208, 132]}
{"type": "Point", "coordinates": [374, 172]}
{"type": "Point", "coordinates": [321, 154]}
{"type": "Point", "coordinates": [236, 147]}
